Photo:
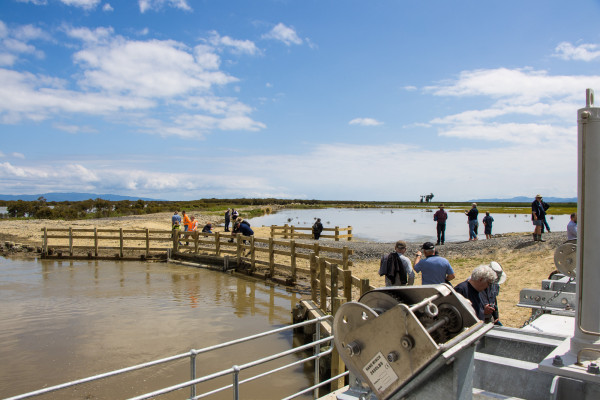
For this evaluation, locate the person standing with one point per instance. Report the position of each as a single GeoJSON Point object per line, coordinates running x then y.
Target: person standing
{"type": "Point", "coordinates": [175, 225]}
{"type": "Point", "coordinates": [440, 217]}
{"type": "Point", "coordinates": [490, 295]}
{"type": "Point", "coordinates": [227, 219]}
{"type": "Point", "coordinates": [396, 267]}
{"type": "Point", "coordinates": [546, 207]}
{"type": "Point", "coordinates": [537, 217]}
{"type": "Point", "coordinates": [480, 279]}
{"type": "Point", "coordinates": [234, 214]}
{"type": "Point", "coordinates": [572, 227]}
{"type": "Point", "coordinates": [186, 222]}
{"type": "Point", "coordinates": [194, 224]}
{"type": "Point", "coordinates": [472, 220]}
{"type": "Point", "coordinates": [317, 228]}
{"type": "Point", "coordinates": [434, 269]}
{"type": "Point", "coordinates": [487, 224]}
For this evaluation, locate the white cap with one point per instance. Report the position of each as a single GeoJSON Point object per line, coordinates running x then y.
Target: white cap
{"type": "Point", "coordinates": [499, 271]}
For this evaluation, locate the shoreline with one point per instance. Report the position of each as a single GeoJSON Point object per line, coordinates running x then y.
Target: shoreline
{"type": "Point", "coordinates": [526, 262]}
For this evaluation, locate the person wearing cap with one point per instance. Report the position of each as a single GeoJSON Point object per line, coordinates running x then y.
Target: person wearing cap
{"type": "Point", "coordinates": [434, 269]}
{"type": "Point", "coordinates": [490, 295]}
{"type": "Point", "coordinates": [480, 279]}
{"type": "Point", "coordinates": [472, 220]}
{"type": "Point", "coordinates": [440, 217]}
{"type": "Point", "coordinates": [396, 267]}
{"type": "Point", "coordinates": [572, 227]}
{"type": "Point", "coordinates": [538, 214]}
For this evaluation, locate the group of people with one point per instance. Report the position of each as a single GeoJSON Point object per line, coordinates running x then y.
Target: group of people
{"type": "Point", "coordinates": [441, 216]}
{"type": "Point", "coordinates": [481, 288]}
{"type": "Point", "coordinates": [538, 217]}
{"type": "Point", "coordinates": [190, 223]}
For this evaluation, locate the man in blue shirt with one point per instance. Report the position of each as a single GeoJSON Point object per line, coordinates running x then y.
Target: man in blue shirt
{"type": "Point", "coordinates": [434, 269]}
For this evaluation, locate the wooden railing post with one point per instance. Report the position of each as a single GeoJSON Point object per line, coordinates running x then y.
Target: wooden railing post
{"type": "Point", "coordinates": [345, 258]}
{"type": "Point", "coordinates": [196, 238]}
{"type": "Point", "coordinates": [218, 243]}
{"type": "Point", "coordinates": [337, 364]}
{"type": "Point", "coordinates": [323, 284]}
{"type": "Point", "coordinates": [292, 232]}
{"type": "Point", "coordinates": [175, 240]}
{"type": "Point", "coordinates": [238, 249]}
{"type": "Point", "coordinates": [271, 258]}
{"type": "Point", "coordinates": [147, 242]}
{"type": "Point", "coordinates": [121, 242]}
{"type": "Point", "coordinates": [334, 281]}
{"type": "Point", "coordinates": [71, 241]}
{"type": "Point", "coordinates": [337, 233]}
{"type": "Point", "coordinates": [285, 231]}
{"type": "Point", "coordinates": [313, 276]}
{"type": "Point", "coordinates": [349, 233]}
{"type": "Point", "coordinates": [252, 255]}
{"type": "Point", "coordinates": [45, 242]}
{"type": "Point", "coordinates": [272, 231]}
{"type": "Point", "coordinates": [95, 241]}
{"type": "Point", "coordinates": [293, 259]}
{"type": "Point", "coordinates": [348, 284]}
{"type": "Point", "coordinates": [316, 248]}
{"type": "Point", "coordinates": [364, 286]}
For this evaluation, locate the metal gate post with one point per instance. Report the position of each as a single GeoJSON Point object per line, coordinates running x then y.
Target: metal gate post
{"type": "Point", "coordinates": [317, 359]}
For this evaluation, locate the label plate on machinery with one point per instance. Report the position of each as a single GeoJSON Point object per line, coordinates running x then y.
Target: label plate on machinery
{"type": "Point", "coordinates": [380, 372]}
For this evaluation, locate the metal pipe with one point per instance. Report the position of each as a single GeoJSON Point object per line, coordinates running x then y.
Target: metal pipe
{"type": "Point", "coordinates": [236, 382]}
{"type": "Point", "coordinates": [317, 361]}
{"type": "Point", "coordinates": [424, 302]}
{"type": "Point", "coordinates": [587, 327]}
{"type": "Point", "coordinates": [192, 372]}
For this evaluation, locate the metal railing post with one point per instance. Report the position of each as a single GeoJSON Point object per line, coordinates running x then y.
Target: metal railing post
{"type": "Point", "coordinates": [317, 359]}
{"type": "Point", "coordinates": [236, 382]}
{"type": "Point", "coordinates": [193, 372]}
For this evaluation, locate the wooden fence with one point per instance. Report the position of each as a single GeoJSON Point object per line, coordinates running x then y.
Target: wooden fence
{"type": "Point", "coordinates": [295, 232]}
{"type": "Point", "coordinates": [329, 268]}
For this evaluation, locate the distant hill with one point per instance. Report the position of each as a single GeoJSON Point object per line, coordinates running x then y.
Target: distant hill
{"type": "Point", "coordinates": [525, 199]}
{"type": "Point", "coordinates": [71, 197]}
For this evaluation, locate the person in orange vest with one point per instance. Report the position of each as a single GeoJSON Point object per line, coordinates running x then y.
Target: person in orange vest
{"type": "Point", "coordinates": [186, 222]}
{"type": "Point", "coordinates": [194, 224]}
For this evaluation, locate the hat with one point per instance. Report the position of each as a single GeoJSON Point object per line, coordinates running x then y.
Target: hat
{"type": "Point", "coordinates": [401, 244]}
{"type": "Point", "coordinates": [499, 272]}
{"type": "Point", "coordinates": [428, 246]}
{"type": "Point", "coordinates": [442, 205]}
{"type": "Point", "coordinates": [538, 196]}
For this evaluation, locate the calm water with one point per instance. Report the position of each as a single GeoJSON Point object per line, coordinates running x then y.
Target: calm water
{"type": "Point", "coordinates": [388, 225]}
{"type": "Point", "coordinates": [63, 321]}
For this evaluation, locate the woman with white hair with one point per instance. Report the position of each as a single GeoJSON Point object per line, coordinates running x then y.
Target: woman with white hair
{"type": "Point", "coordinates": [490, 295]}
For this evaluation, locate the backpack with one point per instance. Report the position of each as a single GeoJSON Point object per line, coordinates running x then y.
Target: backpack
{"type": "Point", "coordinates": [390, 265]}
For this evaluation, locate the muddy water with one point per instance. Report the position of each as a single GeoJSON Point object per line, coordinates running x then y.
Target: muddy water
{"type": "Point", "coordinates": [62, 321]}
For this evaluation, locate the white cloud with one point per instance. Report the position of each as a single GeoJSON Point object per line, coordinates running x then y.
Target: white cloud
{"type": "Point", "coordinates": [107, 7]}
{"type": "Point", "coordinates": [284, 34]}
{"type": "Point", "coordinates": [18, 155]}
{"type": "Point", "coordinates": [365, 122]}
{"type": "Point", "coordinates": [37, 2]}
{"type": "Point", "coordinates": [583, 52]}
{"type": "Point", "coordinates": [85, 4]}
{"type": "Point", "coordinates": [236, 46]}
{"type": "Point", "coordinates": [14, 42]}
{"type": "Point", "coordinates": [155, 5]}
{"type": "Point", "coordinates": [91, 36]}
{"type": "Point", "coordinates": [539, 105]}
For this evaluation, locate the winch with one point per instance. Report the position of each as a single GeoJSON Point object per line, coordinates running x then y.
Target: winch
{"type": "Point", "coordinates": [394, 334]}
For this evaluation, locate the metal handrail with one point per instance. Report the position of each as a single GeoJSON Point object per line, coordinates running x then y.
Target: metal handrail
{"type": "Point", "coordinates": [233, 370]}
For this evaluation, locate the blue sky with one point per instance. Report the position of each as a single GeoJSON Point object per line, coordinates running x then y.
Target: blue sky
{"type": "Point", "coordinates": [312, 99]}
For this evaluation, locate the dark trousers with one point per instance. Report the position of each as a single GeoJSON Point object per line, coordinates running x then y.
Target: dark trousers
{"type": "Point", "coordinates": [441, 232]}
{"type": "Point", "coordinates": [226, 224]}
{"type": "Point", "coordinates": [546, 225]}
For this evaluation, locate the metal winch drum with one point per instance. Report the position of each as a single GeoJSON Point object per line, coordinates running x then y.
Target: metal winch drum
{"type": "Point", "coordinates": [393, 333]}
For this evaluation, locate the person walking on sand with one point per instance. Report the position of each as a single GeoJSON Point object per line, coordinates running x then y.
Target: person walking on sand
{"type": "Point", "coordinates": [186, 222]}
{"type": "Point", "coordinates": [396, 267]}
{"type": "Point", "coordinates": [537, 217]}
{"type": "Point", "coordinates": [227, 219]}
{"type": "Point", "coordinates": [487, 223]}
{"type": "Point", "coordinates": [545, 224]}
{"type": "Point", "coordinates": [194, 224]}
{"type": "Point", "coordinates": [440, 217]}
{"type": "Point", "coordinates": [472, 220]}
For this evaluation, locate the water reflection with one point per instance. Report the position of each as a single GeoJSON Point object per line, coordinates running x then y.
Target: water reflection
{"type": "Point", "coordinates": [64, 320]}
{"type": "Point", "coordinates": [391, 224]}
